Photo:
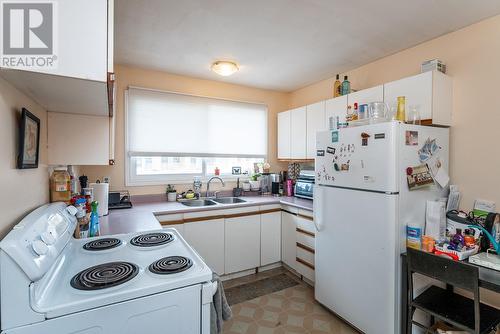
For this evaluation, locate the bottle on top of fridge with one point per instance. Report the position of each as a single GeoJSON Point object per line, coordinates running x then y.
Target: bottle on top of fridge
{"type": "Point", "coordinates": [336, 87]}
{"type": "Point", "coordinates": [401, 114]}
{"type": "Point", "coordinates": [346, 86]}
{"type": "Point", "coordinates": [94, 220]}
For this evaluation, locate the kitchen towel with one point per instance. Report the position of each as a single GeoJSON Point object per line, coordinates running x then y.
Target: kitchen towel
{"type": "Point", "coordinates": [220, 309]}
{"type": "Point", "coordinates": [101, 192]}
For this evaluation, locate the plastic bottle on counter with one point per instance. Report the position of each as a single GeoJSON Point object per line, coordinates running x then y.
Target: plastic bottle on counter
{"type": "Point", "coordinates": [94, 221]}
{"type": "Point", "coordinates": [82, 226]}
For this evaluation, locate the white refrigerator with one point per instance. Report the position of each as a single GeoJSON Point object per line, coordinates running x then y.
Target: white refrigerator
{"type": "Point", "coordinates": [362, 204]}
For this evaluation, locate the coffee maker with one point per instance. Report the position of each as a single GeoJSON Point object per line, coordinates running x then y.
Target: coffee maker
{"type": "Point", "coordinates": [275, 184]}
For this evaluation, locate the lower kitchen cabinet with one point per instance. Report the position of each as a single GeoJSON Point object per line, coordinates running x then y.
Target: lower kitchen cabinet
{"type": "Point", "coordinates": [288, 239]}
{"type": "Point", "coordinates": [270, 238]}
{"type": "Point", "coordinates": [242, 236]}
{"type": "Point", "coordinates": [207, 238]}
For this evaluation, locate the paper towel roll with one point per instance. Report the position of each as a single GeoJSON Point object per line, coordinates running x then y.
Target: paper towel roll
{"type": "Point", "coordinates": [101, 191]}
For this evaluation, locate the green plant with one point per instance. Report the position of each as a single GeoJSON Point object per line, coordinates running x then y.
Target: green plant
{"type": "Point", "coordinates": [254, 177]}
{"type": "Point", "coordinates": [171, 189]}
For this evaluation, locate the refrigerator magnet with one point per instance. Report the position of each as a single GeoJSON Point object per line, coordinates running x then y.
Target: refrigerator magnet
{"type": "Point", "coordinates": [411, 138]}
{"type": "Point", "coordinates": [364, 138]}
{"type": "Point", "coordinates": [418, 177]}
{"type": "Point", "coordinates": [335, 136]}
{"type": "Point", "coordinates": [320, 153]}
{"type": "Point", "coordinates": [330, 150]}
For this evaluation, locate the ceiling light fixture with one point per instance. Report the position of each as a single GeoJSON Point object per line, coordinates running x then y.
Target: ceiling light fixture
{"type": "Point", "coordinates": [224, 68]}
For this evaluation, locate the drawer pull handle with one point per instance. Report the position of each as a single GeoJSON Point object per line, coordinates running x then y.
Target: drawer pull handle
{"type": "Point", "coordinates": [298, 229]}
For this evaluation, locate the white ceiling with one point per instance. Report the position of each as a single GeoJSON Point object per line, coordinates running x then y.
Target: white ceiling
{"type": "Point", "coordinates": [281, 44]}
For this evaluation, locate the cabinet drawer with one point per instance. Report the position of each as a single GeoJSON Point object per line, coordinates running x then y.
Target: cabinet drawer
{"type": "Point", "coordinates": [305, 239]}
{"type": "Point", "coordinates": [305, 224]}
{"type": "Point", "coordinates": [305, 269]}
{"type": "Point", "coordinates": [305, 254]}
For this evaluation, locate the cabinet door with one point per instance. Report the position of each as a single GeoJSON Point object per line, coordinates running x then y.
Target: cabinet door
{"type": "Point", "coordinates": [78, 139]}
{"type": "Point", "coordinates": [298, 131]}
{"type": "Point", "coordinates": [284, 125]}
{"type": "Point", "coordinates": [315, 122]}
{"type": "Point", "coordinates": [288, 239]}
{"type": "Point", "coordinates": [80, 40]}
{"type": "Point", "coordinates": [416, 89]}
{"type": "Point", "coordinates": [270, 238]}
{"type": "Point", "coordinates": [365, 96]}
{"type": "Point", "coordinates": [207, 238]}
{"type": "Point", "coordinates": [242, 238]}
{"type": "Point", "coordinates": [335, 107]}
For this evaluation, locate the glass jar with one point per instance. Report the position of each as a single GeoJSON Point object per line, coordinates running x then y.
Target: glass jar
{"type": "Point", "coordinates": [60, 185]}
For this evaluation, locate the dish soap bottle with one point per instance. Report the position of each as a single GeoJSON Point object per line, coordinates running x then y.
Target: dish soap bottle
{"type": "Point", "coordinates": [94, 220]}
{"type": "Point", "coordinates": [336, 87]}
{"type": "Point", "coordinates": [346, 86]}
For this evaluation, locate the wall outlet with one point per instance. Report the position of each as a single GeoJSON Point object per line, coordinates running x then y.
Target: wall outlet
{"type": "Point", "coordinates": [106, 179]}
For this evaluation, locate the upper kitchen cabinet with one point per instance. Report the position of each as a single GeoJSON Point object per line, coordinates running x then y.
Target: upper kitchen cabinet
{"type": "Point", "coordinates": [298, 133]}
{"type": "Point", "coordinates": [81, 80]}
{"type": "Point", "coordinates": [284, 125]}
{"type": "Point", "coordinates": [365, 96]}
{"type": "Point", "coordinates": [292, 134]}
{"type": "Point", "coordinates": [336, 107]}
{"type": "Point", "coordinates": [67, 134]}
{"type": "Point", "coordinates": [430, 92]}
{"type": "Point", "coordinates": [315, 122]}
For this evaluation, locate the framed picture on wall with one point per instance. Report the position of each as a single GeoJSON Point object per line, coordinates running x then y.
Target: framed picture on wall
{"type": "Point", "coordinates": [29, 141]}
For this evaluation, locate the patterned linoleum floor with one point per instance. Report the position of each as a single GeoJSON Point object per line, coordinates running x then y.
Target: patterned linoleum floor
{"type": "Point", "coordinates": [291, 310]}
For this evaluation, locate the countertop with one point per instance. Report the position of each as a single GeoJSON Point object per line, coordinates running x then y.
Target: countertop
{"type": "Point", "coordinates": [142, 216]}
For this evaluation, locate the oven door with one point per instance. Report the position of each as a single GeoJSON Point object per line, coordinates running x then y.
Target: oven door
{"type": "Point", "coordinates": [172, 312]}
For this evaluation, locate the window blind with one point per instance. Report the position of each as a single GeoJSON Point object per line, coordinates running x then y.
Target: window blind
{"type": "Point", "coordinates": [164, 123]}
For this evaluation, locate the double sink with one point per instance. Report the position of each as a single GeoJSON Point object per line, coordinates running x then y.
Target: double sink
{"type": "Point", "coordinates": [210, 202]}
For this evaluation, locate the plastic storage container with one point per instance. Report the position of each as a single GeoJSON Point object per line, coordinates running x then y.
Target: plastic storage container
{"type": "Point", "coordinates": [60, 185]}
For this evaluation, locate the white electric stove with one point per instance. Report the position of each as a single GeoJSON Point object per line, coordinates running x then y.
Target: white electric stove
{"type": "Point", "coordinates": [150, 282]}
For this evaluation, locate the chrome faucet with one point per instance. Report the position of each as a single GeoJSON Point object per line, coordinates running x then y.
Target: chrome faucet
{"type": "Point", "coordinates": [208, 184]}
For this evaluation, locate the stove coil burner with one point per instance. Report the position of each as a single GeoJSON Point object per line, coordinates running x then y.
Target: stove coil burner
{"type": "Point", "coordinates": [102, 244]}
{"type": "Point", "coordinates": [152, 239]}
{"type": "Point", "coordinates": [170, 265]}
{"type": "Point", "coordinates": [104, 275]}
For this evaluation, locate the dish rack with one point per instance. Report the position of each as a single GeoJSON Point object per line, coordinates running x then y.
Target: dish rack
{"type": "Point", "coordinates": [456, 255]}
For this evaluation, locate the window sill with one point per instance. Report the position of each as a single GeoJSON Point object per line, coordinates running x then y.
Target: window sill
{"type": "Point", "coordinates": [204, 180]}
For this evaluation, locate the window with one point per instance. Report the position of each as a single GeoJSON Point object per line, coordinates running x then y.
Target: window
{"type": "Point", "coordinates": [173, 137]}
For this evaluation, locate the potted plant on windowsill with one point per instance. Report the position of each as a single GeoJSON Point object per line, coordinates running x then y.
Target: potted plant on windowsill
{"type": "Point", "coordinates": [255, 182]}
{"type": "Point", "coordinates": [171, 193]}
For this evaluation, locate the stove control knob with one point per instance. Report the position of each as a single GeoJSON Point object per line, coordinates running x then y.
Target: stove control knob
{"type": "Point", "coordinates": [71, 210]}
{"type": "Point", "coordinates": [39, 247]}
{"type": "Point", "coordinates": [48, 238]}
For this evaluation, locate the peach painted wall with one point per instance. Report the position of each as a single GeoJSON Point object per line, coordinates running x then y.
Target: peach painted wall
{"type": "Point", "coordinates": [132, 76]}
{"type": "Point", "coordinates": [472, 57]}
{"type": "Point", "coordinates": [22, 189]}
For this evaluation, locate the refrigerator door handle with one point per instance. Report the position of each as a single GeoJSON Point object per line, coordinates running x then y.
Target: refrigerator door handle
{"type": "Point", "coordinates": [317, 210]}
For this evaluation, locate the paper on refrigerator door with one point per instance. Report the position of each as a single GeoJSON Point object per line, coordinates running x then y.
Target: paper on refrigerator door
{"type": "Point", "coordinates": [437, 171]}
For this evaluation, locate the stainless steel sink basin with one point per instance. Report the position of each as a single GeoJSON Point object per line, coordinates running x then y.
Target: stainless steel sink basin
{"type": "Point", "coordinates": [198, 202]}
{"type": "Point", "coordinates": [229, 200]}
